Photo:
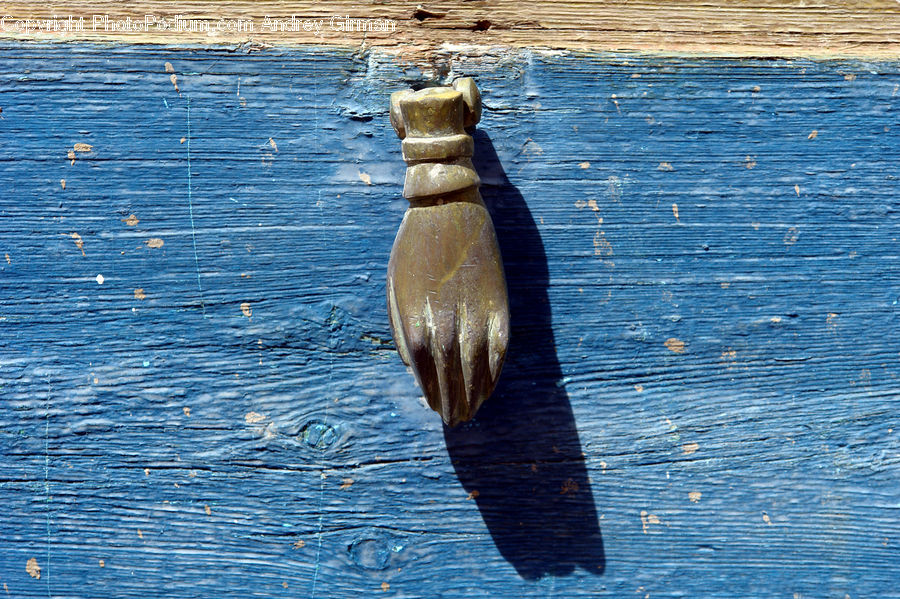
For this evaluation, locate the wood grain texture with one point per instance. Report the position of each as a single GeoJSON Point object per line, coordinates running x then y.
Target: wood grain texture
{"type": "Point", "coordinates": [423, 31]}
{"type": "Point", "coordinates": [199, 393]}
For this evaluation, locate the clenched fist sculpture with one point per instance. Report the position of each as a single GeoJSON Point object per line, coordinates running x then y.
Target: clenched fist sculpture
{"type": "Point", "coordinates": [446, 290]}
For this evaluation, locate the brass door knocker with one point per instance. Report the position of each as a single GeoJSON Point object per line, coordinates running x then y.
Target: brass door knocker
{"type": "Point", "coordinates": [446, 290]}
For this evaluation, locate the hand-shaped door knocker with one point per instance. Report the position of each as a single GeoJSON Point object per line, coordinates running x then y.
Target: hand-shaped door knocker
{"type": "Point", "coordinates": [446, 290]}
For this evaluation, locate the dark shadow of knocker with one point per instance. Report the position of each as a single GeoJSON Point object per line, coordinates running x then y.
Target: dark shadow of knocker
{"type": "Point", "coordinates": [520, 457]}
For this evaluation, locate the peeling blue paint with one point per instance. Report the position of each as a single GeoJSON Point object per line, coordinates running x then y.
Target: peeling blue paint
{"type": "Point", "coordinates": [700, 394]}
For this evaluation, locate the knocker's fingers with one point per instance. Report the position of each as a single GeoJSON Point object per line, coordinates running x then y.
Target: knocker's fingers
{"type": "Point", "coordinates": [395, 320]}
{"type": "Point", "coordinates": [474, 347]}
{"type": "Point", "coordinates": [498, 342]}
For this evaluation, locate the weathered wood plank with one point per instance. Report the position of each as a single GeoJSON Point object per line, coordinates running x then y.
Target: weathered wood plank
{"type": "Point", "coordinates": [423, 32]}
{"type": "Point", "coordinates": [700, 395]}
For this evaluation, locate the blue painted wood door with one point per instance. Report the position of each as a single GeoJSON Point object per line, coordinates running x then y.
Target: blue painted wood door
{"type": "Point", "coordinates": [201, 398]}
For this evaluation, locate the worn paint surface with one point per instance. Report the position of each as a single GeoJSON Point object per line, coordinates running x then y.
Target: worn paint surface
{"type": "Point", "coordinates": [199, 394]}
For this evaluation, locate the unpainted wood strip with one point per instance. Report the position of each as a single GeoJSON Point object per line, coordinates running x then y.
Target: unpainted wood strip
{"type": "Point", "coordinates": [764, 28]}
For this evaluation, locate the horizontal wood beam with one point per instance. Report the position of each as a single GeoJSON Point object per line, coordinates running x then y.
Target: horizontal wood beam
{"type": "Point", "coordinates": [199, 395]}
{"type": "Point", "coordinates": [760, 28]}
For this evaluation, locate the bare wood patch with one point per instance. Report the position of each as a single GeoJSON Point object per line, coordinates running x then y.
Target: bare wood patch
{"type": "Point", "coordinates": [727, 27]}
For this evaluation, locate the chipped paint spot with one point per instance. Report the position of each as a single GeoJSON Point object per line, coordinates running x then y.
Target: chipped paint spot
{"type": "Point", "coordinates": [756, 89]}
{"type": "Point", "coordinates": [253, 417]}
{"type": "Point", "coordinates": [850, 77]}
{"type": "Point", "coordinates": [273, 144]}
{"type": "Point", "coordinates": [665, 166]}
{"type": "Point", "coordinates": [603, 466]}
{"type": "Point", "coordinates": [102, 563]}
{"type": "Point", "coordinates": [146, 472]}
{"type": "Point", "coordinates": [675, 345]}
{"type": "Point", "coordinates": [474, 494]}
{"type": "Point", "coordinates": [365, 178]}
{"type": "Point", "coordinates": [592, 203]}
{"type": "Point", "coordinates": [791, 236]}
{"type": "Point", "coordinates": [385, 586]}
{"type": "Point", "coordinates": [140, 534]}
{"type": "Point", "coordinates": [100, 279]}
{"type": "Point", "coordinates": [8, 261]}
{"type": "Point", "coordinates": [675, 211]}
{"type": "Point", "coordinates": [346, 483]}
{"type": "Point", "coordinates": [639, 388]}
{"type": "Point", "coordinates": [813, 134]}
{"type": "Point", "coordinates": [245, 309]}
{"type": "Point", "coordinates": [602, 247]}
{"type": "Point", "coordinates": [612, 98]}
{"type": "Point", "coordinates": [724, 284]}
{"type": "Point", "coordinates": [749, 162]}
{"type": "Point", "coordinates": [169, 67]}
{"type": "Point", "coordinates": [766, 519]}
{"type": "Point", "coordinates": [33, 569]}
{"type": "Point", "coordinates": [131, 221]}
{"type": "Point", "coordinates": [62, 183]}
{"type": "Point", "coordinates": [155, 243]}
{"type": "Point", "coordinates": [174, 79]}
{"type": "Point", "coordinates": [79, 243]}
{"type": "Point", "coordinates": [865, 378]}
{"type": "Point", "coordinates": [299, 544]}
{"type": "Point", "coordinates": [569, 487]}
{"type": "Point", "coordinates": [182, 140]}
{"type": "Point", "coordinates": [648, 519]}
{"type": "Point", "coordinates": [695, 496]}
{"type": "Point", "coordinates": [614, 185]}
{"type": "Point", "coordinates": [584, 164]}
{"type": "Point", "coordinates": [139, 293]}
{"type": "Point", "coordinates": [71, 156]}
{"type": "Point", "coordinates": [83, 147]}
{"type": "Point", "coordinates": [797, 189]}
{"type": "Point", "coordinates": [186, 410]}
{"type": "Point", "coordinates": [689, 448]}
{"type": "Point", "coordinates": [831, 322]}
{"type": "Point", "coordinates": [208, 510]}
{"type": "Point", "coordinates": [532, 147]}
